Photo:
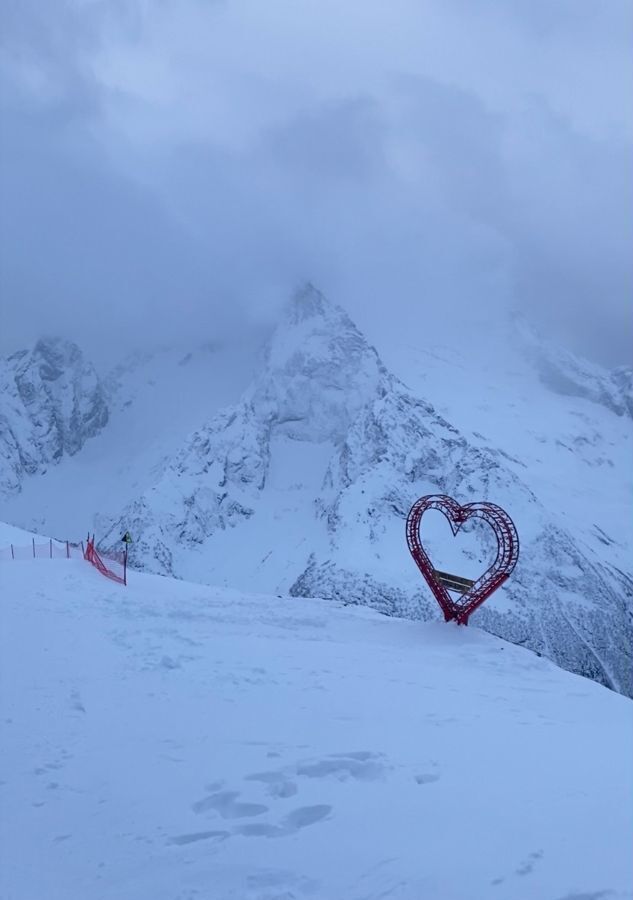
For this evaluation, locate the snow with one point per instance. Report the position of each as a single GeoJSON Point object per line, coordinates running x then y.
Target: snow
{"type": "Point", "coordinates": [155, 400]}
{"type": "Point", "coordinates": [303, 483]}
{"type": "Point", "coordinates": [574, 451]}
{"type": "Point", "coordinates": [9, 534]}
{"type": "Point", "coordinates": [172, 741]}
{"type": "Point", "coordinates": [295, 474]}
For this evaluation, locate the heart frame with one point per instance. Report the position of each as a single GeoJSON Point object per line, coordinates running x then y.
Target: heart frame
{"type": "Point", "coordinates": [501, 569]}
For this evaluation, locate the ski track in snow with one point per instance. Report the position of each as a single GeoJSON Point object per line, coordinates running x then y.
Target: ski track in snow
{"type": "Point", "coordinates": [177, 742]}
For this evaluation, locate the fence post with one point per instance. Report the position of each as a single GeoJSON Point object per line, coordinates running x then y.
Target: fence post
{"type": "Point", "coordinates": [67, 550]}
{"type": "Point", "coordinates": [12, 553]}
{"type": "Point", "coordinates": [125, 567]}
{"type": "Point", "coordinates": [33, 548]}
{"type": "Point", "coordinates": [51, 543]}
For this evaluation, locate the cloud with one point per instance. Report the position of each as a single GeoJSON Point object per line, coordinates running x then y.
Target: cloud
{"type": "Point", "coordinates": [173, 169]}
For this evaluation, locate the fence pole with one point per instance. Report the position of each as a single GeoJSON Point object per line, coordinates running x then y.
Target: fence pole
{"type": "Point", "coordinates": [33, 548]}
{"type": "Point", "coordinates": [12, 553]}
{"type": "Point", "coordinates": [125, 567]}
{"type": "Point", "coordinates": [51, 542]}
{"type": "Point", "coordinates": [67, 550]}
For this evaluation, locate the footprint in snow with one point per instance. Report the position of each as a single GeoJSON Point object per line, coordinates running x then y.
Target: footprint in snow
{"type": "Point", "coordinates": [299, 818]}
{"type": "Point", "coordinates": [194, 837]}
{"type": "Point", "coordinates": [226, 804]}
{"type": "Point", "coordinates": [528, 864]}
{"type": "Point", "coordinates": [361, 765]}
{"type": "Point", "coordinates": [427, 778]}
{"type": "Point", "coordinates": [277, 784]}
{"type": "Point", "coordinates": [304, 816]}
{"type": "Point", "coordinates": [76, 702]}
{"type": "Point", "coordinates": [358, 765]}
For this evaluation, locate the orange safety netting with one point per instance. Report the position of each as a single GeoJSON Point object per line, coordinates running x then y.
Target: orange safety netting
{"type": "Point", "coordinates": [112, 564]}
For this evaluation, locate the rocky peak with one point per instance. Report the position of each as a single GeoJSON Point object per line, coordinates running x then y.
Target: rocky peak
{"type": "Point", "coordinates": [319, 370]}
{"type": "Point", "coordinates": [54, 357]}
{"type": "Point", "coordinates": [307, 303]}
{"type": "Point", "coordinates": [52, 402]}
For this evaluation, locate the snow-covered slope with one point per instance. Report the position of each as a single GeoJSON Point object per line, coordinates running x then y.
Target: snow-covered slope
{"type": "Point", "coordinates": [52, 403]}
{"type": "Point", "coordinates": [303, 486]}
{"type": "Point", "coordinates": [302, 482]}
{"type": "Point", "coordinates": [9, 534]}
{"type": "Point", "coordinates": [154, 400]}
{"type": "Point", "coordinates": [573, 447]}
{"type": "Point", "coordinates": [171, 741]}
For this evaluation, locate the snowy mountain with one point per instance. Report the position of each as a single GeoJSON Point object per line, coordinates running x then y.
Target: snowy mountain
{"type": "Point", "coordinates": [569, 376]}
{"type": "Point", "coordinates": [153, 400]}
{"type": "Point", "coordinates": [171, 741]}
{"type": "Point", "coordinates": [52, 403]}
{"type": "Point", "coordinates": [300, 467]}
{"type": "Point", "coordinates": [303, 487]}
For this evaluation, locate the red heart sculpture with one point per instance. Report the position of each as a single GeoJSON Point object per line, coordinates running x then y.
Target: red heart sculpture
{"type": "Point", "coordinates": [499, 571]}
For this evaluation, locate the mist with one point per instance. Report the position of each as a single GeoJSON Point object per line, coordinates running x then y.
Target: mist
{"type": "Point", "coordinates": [170, 171]}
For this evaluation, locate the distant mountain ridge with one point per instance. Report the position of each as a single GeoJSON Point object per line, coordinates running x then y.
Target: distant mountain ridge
{"type": "Point", "coordinates": [302, 484]}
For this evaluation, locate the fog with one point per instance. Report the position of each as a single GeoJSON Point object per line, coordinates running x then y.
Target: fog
{"type": "Point", "coordinates": [171, 170]}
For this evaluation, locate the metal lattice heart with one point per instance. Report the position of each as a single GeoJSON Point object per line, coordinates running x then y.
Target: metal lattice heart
{"type": "Point", "coordinates": [473, 593]}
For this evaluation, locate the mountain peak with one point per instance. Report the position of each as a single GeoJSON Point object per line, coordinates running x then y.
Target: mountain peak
{"type": "Point", "coordinates": [55, 356]}
{"type": "Point", "coordinates": [307, 302]}
{"type": "Point", "coordinates": [316, 329]}
{"type": "Point", "coordinates": [319, 369]}
{"type": "Point", "coordinates": [309, 306]}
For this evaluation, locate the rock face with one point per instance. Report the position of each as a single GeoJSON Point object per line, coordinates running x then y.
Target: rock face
{"type": "Point", "coordinates": [565, 374]}
{"type": "Point", "coordinates": [304, 485]}
{"type": "Point", "coordinates": [52, 403]}
{"type": "Point", "coordinates": [622, 377]}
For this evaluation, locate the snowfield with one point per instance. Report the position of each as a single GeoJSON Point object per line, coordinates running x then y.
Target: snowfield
{"type": "Point", "coordinates": [172, 741]}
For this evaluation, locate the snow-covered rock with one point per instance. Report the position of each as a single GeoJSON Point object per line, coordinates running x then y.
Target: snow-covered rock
{"type": "Point", "coordinates": [304, 485]}
{"type": "Point", "coordinates": [570, 376]}
{"type": "Point", "coordinates": [52, 403]}
{"type": "Point", "coordinates": [622, 377]}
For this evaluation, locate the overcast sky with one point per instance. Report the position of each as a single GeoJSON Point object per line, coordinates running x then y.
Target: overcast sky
{"type": "Point", "coordinates": [173, 167]}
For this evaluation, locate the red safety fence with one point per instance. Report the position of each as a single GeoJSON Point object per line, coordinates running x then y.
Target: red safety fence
{"type": "Point", "coordinates": [50, 549]}
{"type": "Point", "coordinates": [111, 563]}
